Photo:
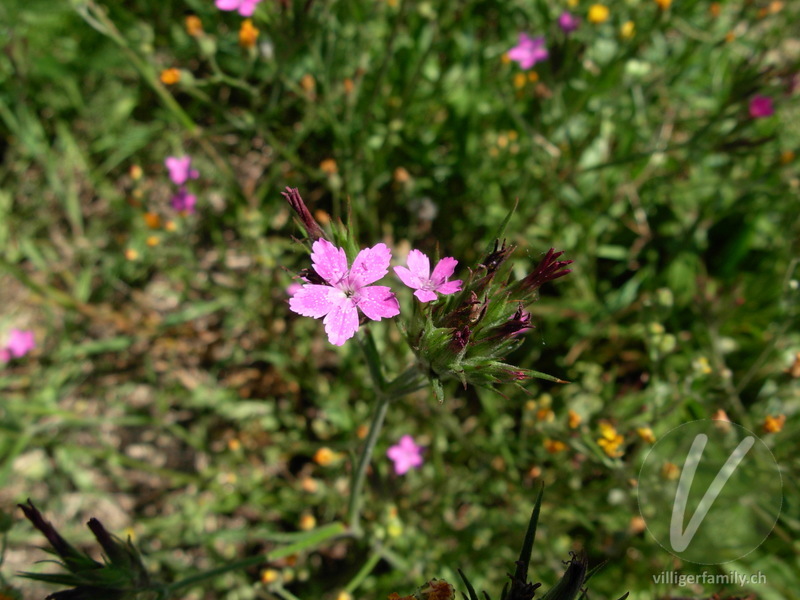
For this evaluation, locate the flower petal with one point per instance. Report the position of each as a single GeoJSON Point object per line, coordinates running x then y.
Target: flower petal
{"type": "Point", "coordinates": [419, 264]}
{"type": "Point", "coordinates": [314, 300]}
{"type": "Point", "coordinates": [227, 4]}
{"type": "Point", "coordinates": [425, 295]}
{"type": "Point", "coordinates": [377, 301]}
{"type": "Point", "coordinates": [444, 269]}
{"type": "Point", "coordinates": [342, 322]}
{"type": "Point", "coordinates": [329, 261]}
{"type": "Point", "coordinates": [449, 287]}
{"type": "Point", "coordinates": [370, 265]}
{"type": "Point", "coordinates": [408, 278]}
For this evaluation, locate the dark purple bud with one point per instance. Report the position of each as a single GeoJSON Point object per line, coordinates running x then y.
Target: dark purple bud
{"type": "Point", "coordinates": [311, 276]}
{"type": "Point", "coordinates": [516, 324]}
{"type": "Point", "coordinates": [550, 268]}
{"type": "Point", "coordinates": [74, 560]}
{"type": "Point", "coordinates": [460, 339]}
{"type": "Point", "coordinates": [495, 259]}
{"type": "Point", "coordinates": [310, 224]}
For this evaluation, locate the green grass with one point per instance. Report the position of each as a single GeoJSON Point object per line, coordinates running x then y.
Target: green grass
{"type": "Point", "coordinates": [176, 395]}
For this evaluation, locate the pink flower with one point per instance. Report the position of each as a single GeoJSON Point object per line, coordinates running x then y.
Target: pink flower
{"type": "Point", "coordinates": [5, 355]}
{"type": "Point", "coordinates": [245, 7]}
{"type": "Point", "coordinates": [568, 22]}
{"type": "Point", "coordinates": [418, 276]}
{"type": "Point", "coordinates": [293, 288]}
{"type": "Point", "coordinates": [346, 290]}
{"type": "Point", "coordinates": [180, 169]}
{"type": "Point", "coordinates": [761, 106]}
{"type": "Point", "coordinates": [405, 454]}
{"type": "Point", "coordinates": [184, 202]}
{"type": "Point", "coordinates": [529, 51]}
{"type": "Point", "coordinates": [20, 342]}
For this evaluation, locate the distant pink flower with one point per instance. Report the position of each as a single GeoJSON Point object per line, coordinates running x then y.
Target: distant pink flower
{"type": "Point", "coordinates": [245, 7]}
{"type": "Point", "coordinates": [347, 290]}
{"type": "Point", "coordinates": [568, 22]}
{"type": "Point", "coordinates": [5, 355]}
{"type": "Point", "coordinates": [184, 202]}
{"type": "Point", "coordinates": [20, 342]}
{"type": "Point", "coordinates": [180, 169]}
{"type": "Point", "coordinates": [405, 454]}
{"type": "Point", "coordinates": [528, 51]}
{"type": "Point", "coordinates": [418, 276]}
{"type": "Point", "coordinates": [761, 106]}
{"type": "Point", "coordinates": [293, 288]}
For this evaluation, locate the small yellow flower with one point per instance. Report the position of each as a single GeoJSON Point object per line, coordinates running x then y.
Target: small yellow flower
{"type": "Point", "coordinates": [152, 220]}
{"type": "Point", "coordinates": [307, 522]}
{"type": "Point", "coordinates": [270, 576]}
{"type": "Point", "coordinates": [153, 241]}
{"type": "Point", "coordinates": [234, 445]}
{"type": "Point", "coordinates": [702, 365]}
{"type": "Point", "coordinates": [774, 424]}
{"type": "Point", "coordinates": [573, 419]}
{"type": "Point", "coordinates": [715, 9]}
{"type": "Point", "coordinates": [502, 141]}
{"type": "Point", "coordinates": [554, 446]}
{"type": "Point", "coordinates": [572, 3]}
{"type": "Point", "coordinates": [344, 596]}
{"type": "Point", "coordinates": [627, 30]}
{"type": "Point", "coordinates": [194, 26]}
{"type": "Point", "coordinates": [131, 254]}
{"type": "Point", "coordinates": [325, 456]}
{"type": "Point", "coordinates": [362, 431]}
{"type": "Point", "coordinates": [663, 4]}
{"type": "Point", "coordinates": [787, 156]}
{"type": "Point", "coordinates": [136, 172]}
{"type": "Point", "coordinates": [670, 471]}
{"type": "Point", "coordinates": [329, 166]}
{"type": "Point", "coordinates": [248, 34]}
{"type": "Point", "coordinates": [170, 76]}
{"type": "Point", "coordinates": [637, 525]}
{"type": "Point", "coordinates": [171, 226]}
{"type": "Point", "coordinates": [598, 13]}
{"type": "Point", "coordinates": [730, 36]}
{"type": "Point", "coordinates": [533, 76]}
{"type": "Point", "coordinates": [610, 441]}
{"type": "Point", "coordinates": [348, 85]}
{"type": "Point", "coordinates": [513, 135]}
{"type": "Point", "coordinates": [545, 414]}
{"type": "Point", "coordinates": [519, 80]}
{"type": "Point", "coordinates": [505, 59]}
{"type": "Point", "coordinates": [775, 6]}
{"type": "Point", "coordinates": [646, 434]}
{"type": "Point", "coordinates": [322, 217]}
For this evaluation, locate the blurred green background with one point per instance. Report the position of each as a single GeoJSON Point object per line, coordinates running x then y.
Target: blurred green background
{"type": "Point", "coordinates": [173, 395]}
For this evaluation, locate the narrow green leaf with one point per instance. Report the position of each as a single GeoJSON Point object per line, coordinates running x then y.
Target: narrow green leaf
{"type": "Point", "coordinates": [470, 589]}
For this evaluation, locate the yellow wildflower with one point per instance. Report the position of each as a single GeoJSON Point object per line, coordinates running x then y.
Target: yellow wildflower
{"type": "Point", "coordinates": [573, 419]}
{"type": "Point", "coordinates": [329, 166]}
{"type": "Point", "coordinates": [170, 76]}
{"type": "Point", "coordinates": [325, 456]}
{"type": "Point", "coordinates": [627, 30]}
{"type": "Point", "coordinates": [270, 576]}
{"type": "Point", "coordinates": [153, 241]}
{"type": "Point", "coordinates": [646, 434]}
{"type": "Point", "coordinates": [519, 80]}
{"type": "Point", "coordinates": [131, 254]}
{"type": "Point", "coordinates": [598, 13]}
{"type": "Point", "coordinates": [610, 441]}
{"type": "Point", "coordinates": [554, 446]}
{"type": "Point", "coordinates": [152, 220]}
{"type": "Point", "coordinates": [248, 34]}
{"type": "Point", "coordinates": [670, 471]}
{"type": "Point", "coordinates": [663, 4]}
{"type": "Point", "coordinates": [787, 156]}
{"type": "Point", "coordinates": [307, 522]}
{"type": "Point", "coordinates": [194, 26]}
{"type": "Point", "coordinates": [774, 424]}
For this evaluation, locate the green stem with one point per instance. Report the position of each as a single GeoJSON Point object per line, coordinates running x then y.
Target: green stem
{"type": "Point", "coordinates": [314, 538]}
{"type": "Point", "coordinates": [359, 475]}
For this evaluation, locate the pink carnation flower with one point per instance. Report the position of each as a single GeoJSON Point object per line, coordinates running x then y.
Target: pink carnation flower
{"type": "Point", "coordinates": [568, 22]}
{"type": "Point", "coordinates": [761, 106]}
{"type": "Point", "coordinates": [184, 202]}
{"type": "Point", "coordinates": [20, 342]}
{"type": "Point", "coordinates": [180, 169]}
{"type": "Point", "coordinates": [418, 276]}
{"type": "Point", "coordinates": [405, 454]}
{"type": "Point", "coordinates": [245, 7]}
{"type": "Point", "coordinates": [346, 290]}
{"type": "Point", "coordinates": [528, 51]}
